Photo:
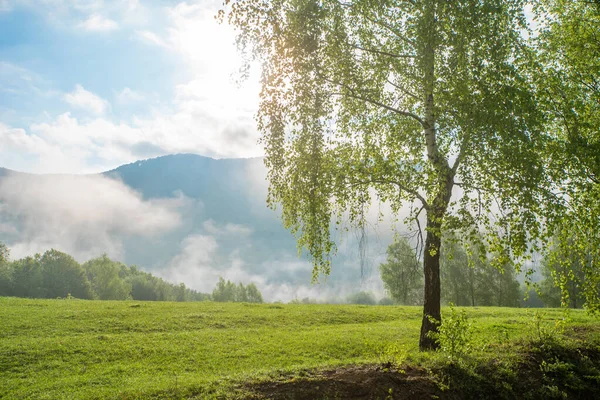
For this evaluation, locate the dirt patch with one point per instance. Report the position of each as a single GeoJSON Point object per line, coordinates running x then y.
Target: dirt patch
{"type": "Point", "coordinates": [364, 382]}
{"type": "Point", "coordinates": [535, 370]}
{"type": "Point", "coordinates": [585, 333]}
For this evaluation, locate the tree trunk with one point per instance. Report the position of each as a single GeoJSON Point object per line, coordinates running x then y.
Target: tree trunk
{"type": "Point", "coordinates": [444, 177]}
{"type": "Point", "coordinates": [431, 267]}
{"type": "Point", "coordinates": [472, 284]}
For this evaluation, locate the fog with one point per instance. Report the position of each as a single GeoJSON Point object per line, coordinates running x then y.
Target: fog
{"type": "Point", "coordinates": [199, 266]}
{"type": "Point", "coordinates": [84, 216]}
{"type": "Point", "coordinates": [180, 239]}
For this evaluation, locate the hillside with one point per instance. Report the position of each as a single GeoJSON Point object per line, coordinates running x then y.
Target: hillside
{"type": "Point", "coordinates": [149, 350]}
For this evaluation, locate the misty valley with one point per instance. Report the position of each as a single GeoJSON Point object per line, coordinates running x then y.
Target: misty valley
{"type": "Point", "coordinates": [213, 293]}
{"type": "Point", "coordinates": [198, 221]}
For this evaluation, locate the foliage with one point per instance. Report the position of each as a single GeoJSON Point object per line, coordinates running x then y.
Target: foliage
{"type": "Point", "coordinates": [4, 253]}
{"type": "Point", "coordinates": [26, 279]}
{"type": "Point", "coordinates": [469, 277]}
{"type": "Point", "coordinates": [103, 274]}
{"type": "Point", "coordinates": [559, 370]}
{"type": "Point", "coordinates": [5, 272]}
{"type": "Point", "coordinates": [224, 291]}
{"type": "Point", "coordinates": [563, 277]}
{"type": "Point", "coordinates": [455, 334]}
{"type": "Point", "coordinates": [253, 294]}
{"type": "Point", "coordinates": [56, 274]}
{"type": "Point", "coordinates": [229, 291]}
{"type": "Point", "coordinates": [531, 297]}
{"type": "Point", "coordinates": [571, 263]}
{"type": "Point", "coordinates": [386, 301]}
{"type": "Point", "coordinates": [62, 275]}
{"type": "Point", "coordinates": [569, 93]}
{"type": "Point", "coordinates": [362, 297]}
{"type": "Point", "coordinates": [543, 331]}
{"type": "Point", "coordinates": [389, 355]}
{"type": "Point", "coordinates": [401, 274]}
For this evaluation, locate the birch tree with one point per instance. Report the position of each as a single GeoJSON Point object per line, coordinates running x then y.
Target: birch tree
{"type": "Point", "coordinates": [418, 102]}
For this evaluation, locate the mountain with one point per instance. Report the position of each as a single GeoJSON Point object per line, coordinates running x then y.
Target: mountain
{"type": "Point", "coordinates": [185, 217]}
{"type": "Point", "coordinates": [4, 172]}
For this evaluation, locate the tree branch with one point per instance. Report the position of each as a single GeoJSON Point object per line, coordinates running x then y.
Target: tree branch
{"type": "Point", "coordinates": [420, 233]}
{"type": "Point", "coordinates": [382, 23]}
{"type": "Point", "coordinates": [461, 153]}
{"type": "Point", "coordinates": [385, 106]}
{"type": "Point", "coordinates": [403, 90]}
{"type": "Point", "coordinates": [384, 53]}
{"type": "Point", "coordinates": [400, 186]}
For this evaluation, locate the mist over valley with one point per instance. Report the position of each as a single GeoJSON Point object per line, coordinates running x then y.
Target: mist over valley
{"type": "Point", "coordinates": [185, 218]}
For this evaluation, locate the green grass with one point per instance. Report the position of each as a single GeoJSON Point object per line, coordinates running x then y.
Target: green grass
{"type": "Point", "coordinates": [53, 349]}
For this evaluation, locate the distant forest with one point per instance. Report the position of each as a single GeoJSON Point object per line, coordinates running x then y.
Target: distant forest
{"type": "Point", "coordinates": [55, 274]}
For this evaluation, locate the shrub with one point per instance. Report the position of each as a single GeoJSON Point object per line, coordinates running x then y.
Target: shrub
{"type": "Point", "coordinates": [455, 334]}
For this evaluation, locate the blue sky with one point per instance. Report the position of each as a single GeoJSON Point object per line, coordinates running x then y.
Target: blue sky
{"type": "Point", "coordinates": [87, 85]}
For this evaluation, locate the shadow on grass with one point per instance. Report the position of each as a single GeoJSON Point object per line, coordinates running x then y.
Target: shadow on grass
{"type": "Point", "coordinates": [553, 369]}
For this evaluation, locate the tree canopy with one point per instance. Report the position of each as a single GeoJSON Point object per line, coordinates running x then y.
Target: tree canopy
{"type": "Point", "coordinates": [229, 291]}
{"type": "Point", "coordinates": [399, 101]}
{"type": "Point", "coordinates": [473, 279]}
{"type": "Point", "coordinates": [568, 84]}
{"type": "Point", "coordinates": [104, 274]}
{"type": "Point", "coordinates": [57, 274]}
{"type": "Point", "coordinates": [4, 253]}
{"type": "Point", "coordinates": [401, 273]}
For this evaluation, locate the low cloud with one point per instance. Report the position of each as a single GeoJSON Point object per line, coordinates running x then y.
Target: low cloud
{"type": "Point", "coordinates": [228, 229]}
{"type": "Point", "coordinates": [82, 215]}
{"type": "Point", "coordinates": [196, 263]}
{"type": "Point", "coordinates": [280, 277]}
{"type": "Point", "coordinates": [86, 100]}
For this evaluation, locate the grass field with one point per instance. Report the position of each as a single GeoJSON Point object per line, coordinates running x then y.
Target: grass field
{"type": "Point", "coordinates": [53, 349]}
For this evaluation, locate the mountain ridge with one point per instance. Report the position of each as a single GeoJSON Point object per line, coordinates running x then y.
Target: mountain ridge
{"type": "Point", "coordinates": [133, 163]}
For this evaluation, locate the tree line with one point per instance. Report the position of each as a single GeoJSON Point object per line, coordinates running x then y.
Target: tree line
{"type": "Point", "coordinates": [472, 279]}
{"type": "Point", "coordinates": [229, 291]}
{"type": "Point", "coordinates": [55, 274]}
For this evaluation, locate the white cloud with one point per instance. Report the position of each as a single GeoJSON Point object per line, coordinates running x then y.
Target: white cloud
{"type": "Point", "coordinates": [82, 215]}
{"type": "Point", "coordinates": [151, 38]}
{"type": "Point", "coordinates": [198, 265]}
{"type": "Point", "coordinates": [128, 96]}
{"type": "Point", "coordinates": [86, 100]}
{"type": "Point", "coordinates": [208, 114]}
{"type": "Point", "coordinates": [68, 145]}
{"type": "Point", "coordinates": [98, 23]}
{"type": "Point", "coordinates": [201, 262]}
{"type": "Point", "coordinates": [212, 228]}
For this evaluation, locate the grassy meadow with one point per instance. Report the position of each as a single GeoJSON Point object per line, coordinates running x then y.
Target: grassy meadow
{"type": "Point", "coordinates": [80, 349]}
